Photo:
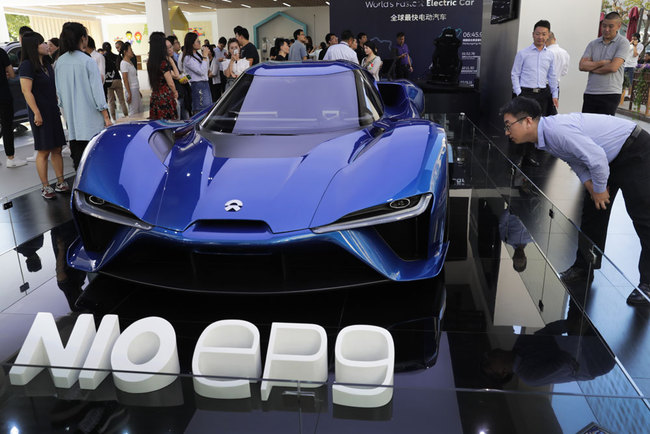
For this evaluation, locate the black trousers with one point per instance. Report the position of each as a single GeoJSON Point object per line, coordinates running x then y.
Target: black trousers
{"type": "Point", "coordinates": [7, 122]}
{"type": "Point", "coordinates": [402, 71]}
{"type": "Point", "coordinates": [543, 98]}
{"type": "Point", "coordinates": [630, 173]}
{"type": "Point", "coordinates": [602, 104]}
{"type": "Point", "coordinates": [77, 148]}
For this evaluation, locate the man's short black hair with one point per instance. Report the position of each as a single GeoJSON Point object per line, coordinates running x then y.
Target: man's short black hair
{"type": "Point", "coordinates": [400, 34]}
{"type": "Point", "coordinates": [223, 40]}
{"type": "Point", "coordinates": [347, 35]}
{"type": "Point", "coordinates": [91, 42]}
{"type": "Point", "coordinates": [542, 23]}
{"type": "Point", "coordinates": [613, 16]}
{"type": "Point", "coordinates": [241, 31]}
{"type": "Point", "coordinates": [297, 33]}
{"type": "Point", "coordinates": [361, 35]}
{"type": "Point", "coordinates": [328, 37]}
{"type": "Point", "coordinates": [24, 29]}
{"type": "Point", "coordinates": [522, 106]}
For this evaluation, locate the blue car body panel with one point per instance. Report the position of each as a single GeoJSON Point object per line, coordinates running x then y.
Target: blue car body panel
{"type": "Point", "coordinates": [175, 178]}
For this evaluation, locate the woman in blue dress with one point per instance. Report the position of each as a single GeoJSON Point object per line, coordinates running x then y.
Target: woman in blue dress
{"type": "Point", "coordinates": [38, 87]}
{"type": "Point", "coordinates": [80, 90]}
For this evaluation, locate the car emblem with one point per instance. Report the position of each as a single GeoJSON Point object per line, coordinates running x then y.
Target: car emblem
{"type": "Point", "coordinates": [234, 205]}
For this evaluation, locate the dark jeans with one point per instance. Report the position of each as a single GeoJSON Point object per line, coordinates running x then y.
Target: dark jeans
{"type": "Point", "coordinates": [76, 151]}
{"type": "Point", "coordinates": [630, 173]}
{"type": "Point", "coordinates": [602, 104]}
{"type": "Point", "coordinates": [215, 90]}
{"type": "Point", "coordinates": [7, 122]}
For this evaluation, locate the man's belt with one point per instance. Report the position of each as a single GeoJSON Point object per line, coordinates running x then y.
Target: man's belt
{"type": "Point", "coordinates": [635, 133]}
{"type": "Point", "coordinates": [534, 89]}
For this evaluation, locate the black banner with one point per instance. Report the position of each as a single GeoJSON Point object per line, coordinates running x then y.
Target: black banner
{"type": "Point", "coordinates": [421, 20]}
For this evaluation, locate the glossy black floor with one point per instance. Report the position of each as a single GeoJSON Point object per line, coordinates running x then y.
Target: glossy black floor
{"type": "Point", "coordinates": [566, 379]}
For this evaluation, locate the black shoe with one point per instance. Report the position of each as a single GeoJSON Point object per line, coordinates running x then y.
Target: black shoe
{"type": "Point", "coordinates": [637, 299]}
{"type": "Point", "coordinates": [529, 160]}
{"type": "Point", "coordinates": [575, 274]}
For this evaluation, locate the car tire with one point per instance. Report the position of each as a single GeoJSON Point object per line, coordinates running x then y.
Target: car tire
{"type": "Point", "coordinates": [20, 129]}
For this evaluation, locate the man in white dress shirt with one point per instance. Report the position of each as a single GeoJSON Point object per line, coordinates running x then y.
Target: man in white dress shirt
{"type": "Point", "coordinates": [101, 61]}
{"type": "Point", "coordinates": [343, 50]}
{"type": "Point", "coordinates": [562, 57]}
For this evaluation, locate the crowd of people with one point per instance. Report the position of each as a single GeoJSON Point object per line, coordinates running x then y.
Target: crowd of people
{"type": "Point", "coordinates": [69, 77]}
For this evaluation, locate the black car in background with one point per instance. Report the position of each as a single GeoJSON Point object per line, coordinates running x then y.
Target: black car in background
{"type": "Point", "coordinates": [20, 107]}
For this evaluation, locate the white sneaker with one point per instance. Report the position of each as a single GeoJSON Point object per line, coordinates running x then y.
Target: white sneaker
{"type": "Point", "coordinates": [66, 151]}
{"type": "Point", "coordinates": [15, 162]}
{"type": "Point", "coordinates": [32, 157]}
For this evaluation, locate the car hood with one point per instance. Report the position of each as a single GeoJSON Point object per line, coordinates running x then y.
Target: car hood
{"type": "Point", "coordinates": [278, 179]}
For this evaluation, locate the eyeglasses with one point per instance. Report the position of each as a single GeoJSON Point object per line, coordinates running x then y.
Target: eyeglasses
{"type": "Point", "coordinates": [508, 126]}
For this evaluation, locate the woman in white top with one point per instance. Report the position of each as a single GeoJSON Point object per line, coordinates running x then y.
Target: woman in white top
{"type": "Point", "coordinates": [371, 62]}
{"type": "Point", "coordinates": [234, 66]}
{"type": "Point", "coordinates": [130, 79]}
{"type": "Point", "coordinates": [195, 63]}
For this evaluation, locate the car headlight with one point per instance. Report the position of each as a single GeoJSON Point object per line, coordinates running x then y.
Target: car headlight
{"type": "Point", "coordinates": [396, 210]}
{"type": "Point", "coordinates": [99, 208]}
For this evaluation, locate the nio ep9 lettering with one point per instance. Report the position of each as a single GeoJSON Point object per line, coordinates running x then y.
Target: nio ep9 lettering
{"type": "Point", "coordinates": [227, 358]}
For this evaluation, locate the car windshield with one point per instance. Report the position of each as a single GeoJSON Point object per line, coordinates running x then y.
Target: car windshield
{"type": "Point", "coordinates": [285, 105]}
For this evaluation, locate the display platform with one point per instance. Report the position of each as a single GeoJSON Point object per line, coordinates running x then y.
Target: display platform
{"type": "Point", "coordinates": [579, 351]}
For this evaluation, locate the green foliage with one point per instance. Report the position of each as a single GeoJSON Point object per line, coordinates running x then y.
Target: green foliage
{"type": "Point", "coordinates": [14, 23]}
{"type": "Point", "coordinates": [640, 91]}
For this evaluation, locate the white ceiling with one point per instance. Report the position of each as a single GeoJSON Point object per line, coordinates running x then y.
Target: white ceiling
{"type": "Point", "coordinates": [99, 8]}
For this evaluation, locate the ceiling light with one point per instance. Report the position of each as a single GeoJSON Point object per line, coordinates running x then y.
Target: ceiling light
{"type": "Point", "coordinates": [227, 1]}
{"type": "Point", "coordinates": [246, 6]}
{"type": "Point", "coordinates": [183, 3]}
{"type": "Point", "coordinates": [206, 7]}
{"type": "Point", "coordinates": [130, 10]}
{"type": "Point", "coordinates": [287, 5]}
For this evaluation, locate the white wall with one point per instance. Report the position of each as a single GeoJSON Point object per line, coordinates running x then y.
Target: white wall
{"type": "Point", "coordinates": [317, 19]}
{"type": "Point", "coordinates": [574, 23]}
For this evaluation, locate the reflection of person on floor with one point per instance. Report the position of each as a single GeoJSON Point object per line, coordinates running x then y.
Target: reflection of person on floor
{"type": "Point", "coordinates": [28, 250]}
{"type": "Point", "coordinates": [68, 279]}
{"type": "Point", "coordinates": [607, 153]}
{"type": "Point", "coordinates": [514, 233]}
{"type": "Point", "coordinates": [548, 357]}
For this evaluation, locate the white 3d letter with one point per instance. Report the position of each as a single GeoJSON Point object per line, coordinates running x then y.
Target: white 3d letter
{"type": "Point", "coordinates": [295, 352]}
{"type": "Point", "coordinates": [99, 356]}
{"type": "Point", "coordinates": [43, 346]}
{"type": "Point", "coordinates": [364, 355]}
{"type": "Point", "coordinates": [229, 348]}
{"type": "Point", "coordinates": [147, 346]}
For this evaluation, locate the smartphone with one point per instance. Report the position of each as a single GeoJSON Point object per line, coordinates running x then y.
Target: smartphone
{"type": "Point", "coordinates": [235, 51]}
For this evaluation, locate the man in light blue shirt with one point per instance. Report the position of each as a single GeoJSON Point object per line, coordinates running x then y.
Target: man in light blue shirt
{"type": "Point", "coordinates": [607, 154]}
{"type": "Point", "coordinates": [533, 71]}
{"type": "Point", "coordinates": [298, 49]}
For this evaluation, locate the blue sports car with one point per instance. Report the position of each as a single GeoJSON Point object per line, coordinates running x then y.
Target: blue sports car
{"type": "Point", "coordinates": [303, 176]}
